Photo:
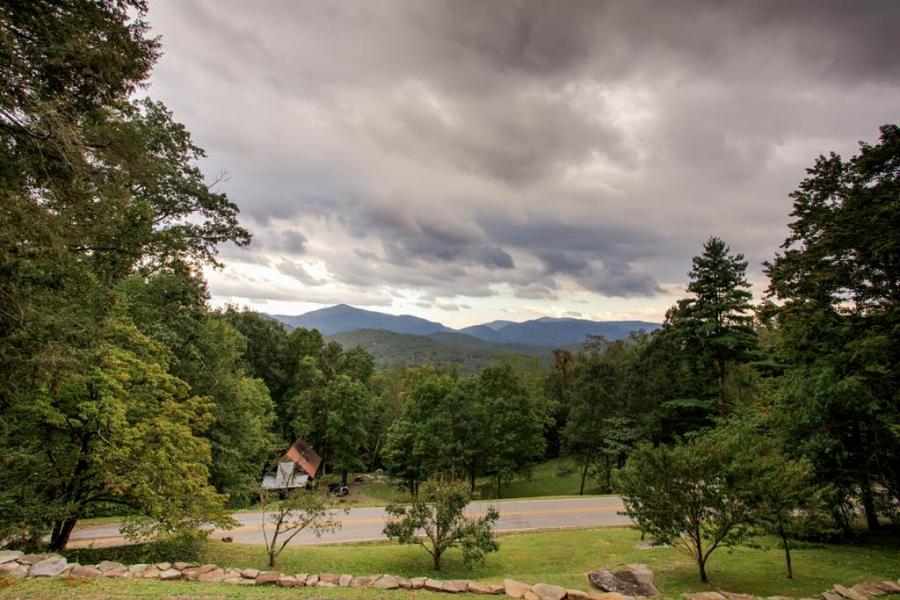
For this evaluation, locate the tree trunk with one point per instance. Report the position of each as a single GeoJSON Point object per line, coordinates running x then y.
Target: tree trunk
{"type": "Point", "coordinates": [472, 480]}
{"type": "Point", "coordinates": [344, 477]}
{"type": "Point", "coordinates": [865, 486]}
{"type": "Point", "coordinates": [271, 558]}
{"type": "Point", "coordinates": [720, 377]}
{"type": "Point", "coordinates": [437, 560]}
{"type": "Point", "coordinates": [583, 477]}
{"type": "Point", "coordinates": [498, 486]}
{"type": "Point", "coordinates": [61, 532]}
{"type": "Point", "coordinates": [787, 552]}
{"type": "Point", "coordinates": [702, 564]}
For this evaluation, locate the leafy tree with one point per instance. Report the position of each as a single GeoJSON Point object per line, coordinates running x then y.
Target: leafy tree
{"type": "Point", "coordinates": [715, 319]}
{"type": "Point", "coordinates": [593, 404]}
{"type": "Point", "coordinates": [299, 510]}
{"type": "Point", "coordinates": [348, 401]}
{"type": "Point", "coordinates": [266, 348]}
{"type": "Point", "coordinates": [837, 281]}
{"type": "Point", "coordinates": [438, 512]}
{"type": "Point", "coordinates": [691, 496]}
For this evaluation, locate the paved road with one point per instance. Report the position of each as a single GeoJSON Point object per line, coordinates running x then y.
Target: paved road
{"type": "Point", "coordinates": [364, 524]}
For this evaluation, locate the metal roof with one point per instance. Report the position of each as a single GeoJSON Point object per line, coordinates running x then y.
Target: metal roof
{"type": "Point", "coordinates": [304, 457]}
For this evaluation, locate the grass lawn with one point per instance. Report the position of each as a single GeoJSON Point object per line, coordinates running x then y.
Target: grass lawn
{"type": "Point", "coordinates": [557, 557]}
{"type": "Point", "coordinates": [555, 477]}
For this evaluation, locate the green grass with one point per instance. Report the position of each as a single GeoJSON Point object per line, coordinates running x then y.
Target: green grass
{"type": "Point", "coordinates": [557, 557]}
{"type": "Point", "coordinates": [556, 477]}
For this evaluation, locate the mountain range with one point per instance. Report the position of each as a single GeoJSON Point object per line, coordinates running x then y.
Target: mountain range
{"type": "Point", "coordinates": [412, 340]}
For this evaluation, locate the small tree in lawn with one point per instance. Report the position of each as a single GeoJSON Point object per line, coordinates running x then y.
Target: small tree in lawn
{"type": "Point", "coordinates": [690, 496]}
{"type": "Point", "coordinates": [299, 510]}
{"type": "Point", "coordinates": [438, 513]}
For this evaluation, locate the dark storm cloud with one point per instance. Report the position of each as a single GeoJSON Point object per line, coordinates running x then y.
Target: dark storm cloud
{"type": "Point", "coordinates": [460, 146]}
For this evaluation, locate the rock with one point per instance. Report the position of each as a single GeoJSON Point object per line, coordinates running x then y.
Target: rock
{"type": "Point", "coordinates": [549, 592]}
{"type": "Point", "coordinates": [14, 569]}
{"type": "Point", "coordinates": [633, 580]}
{"type": "Point", "coordinates": [301, 579]}
{"type": "Point", "coordinates": [848, 593]}
{"type": "Point", "coordinates": [329, 578]}
{"type": "Point", "coordinates": [287, 581]}
{"type": "Point", "coordinates": [733, 596]}
{"type": "Point", "coordinates": [529, 595]}
{"type": "Point", "coordinates": [479, 588]}
{"type": "Point", "coordinates": [515, 589]}
{"type": "Point", "coordinates": [169, 574]}
{"type": "Point", "coordinates": [497, 588]}
{"type": "Point", "coordinates": [867, 589]}
{"type": "Point", "coordinates": [190, 573]}
{"type": "Point", "coordinates": [705, 596]}
{"type": "Point", "coordinates": [10, 555]}
{"type": "Point", "coordinates": [455, 586]}
{"type": "Point", "coordinates": [433, 585]}
{"type": "Point", "coordinates": [366, 581]}
{"type": "Point", "coordinates": [49, 567]}
{"type": "Point", "coordinates": [212, 576]}
{"type": "Point", "coordinates": [207, 568]}
{"type": "Point", "coordinates": [109, 565]}
{"type": "Point", "coordinates": [137, 569]}
{"type": "Point", "coordinates": [31, 559]}
{"type": "Point", "coordinates": [831, 596]}
{"type": "Point", "coordinates": [267, 578]}
{"type": "Point", "coordinates": [891, 587]}
{"type": "Point", "coordinates": [181, 566]}
{"type": "Point", "coordinates": [418, 582]}
{"type": "Point", "coordinates": [312, 580]}
{"type": "Point", "coordinates": [85, 571]}
{"type": "Point", "coordinates": [386, 582]}
{"type": "Point", "coordinates": [153, 573]}
{"type": "Point", "coordinates": [345, 580]}
{"type": "Point", "coordinates": [118, 572]}
{"type": "Point", "coordinates": [609, 596]}
{"type": "Point", "coordinates": [250, 573]}
{"type": "Point", "coordinates": [405, 584]}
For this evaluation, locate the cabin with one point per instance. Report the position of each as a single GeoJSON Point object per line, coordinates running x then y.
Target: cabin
{"type": "Point", "coordinates": [295, 469]}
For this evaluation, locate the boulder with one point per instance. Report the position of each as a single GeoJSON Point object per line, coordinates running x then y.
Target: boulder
{"type": "Point", "coordinates": [515, 589]}
{"type": "Point", "coordinates": [109, 565]}
{"type": "Point", "coordinates": [405, 583]}
{"type": "Point", "coordinates": [212, 576]}
{"type": "Point", "coordinates": [868, 589]}
{"type": "Point", "coordinates": [267, 578]}
{"type": "Point", "coordinates": [206, 568]}
{"type": "Point", "coordinates": [138, 568]}
{"type": "Point", "coordinates": [153, 573]}
{"type": "Point", "coordinates": [287, 581]}
{"type": "Point", "coordinates": [497, 588]}
{"type": "Point", "coordinates": [890, 587]}
{"type": "Point", "coordinates": [250, 573]}
{"type": "Point", "coordinates": [181, 566]}
{"type": "Point", "coordinates": [529, 595]}
{"type": "Point", "coordinates": [10, 555]}
{"type": "Point", "coordinates": [633, 580]}
{"type": "Point", "coordinates": [164, 566]}
{"type": "Point", "coordinates": [190, 573]}
{"type": "Point", "coordinates": [312, 580]}
{"type": "Point", "coordinates": [577, 594]}
{"type": "Point", "coordinates": [366, 581]}
{"type": "Point", "coordinates": [85, 571]}
{"type": "Point", "coordinates": [49, 567]}
{"type": "Point", "coordinates": [169, 574]}
{"type": "Point", "coordinates": [329, 578]}
{"type": "Point", "coordinates": [455, 586]}
{"type": "Point", "coordinates": [118, 572]}
{"type": "Point", "coordinates": [386, 582]}
{"type": "Point", "coordinates": [301, 579]}
{"type": "Point", "coordinates": [14, 569]}
{"type": "Point", "coordinates": [32, 559]}
{"type": "Point", "coordinates": [418, 582]}
{"type": "Point", "coordinates": [433, 585]}
{"type": "Point", "coordinates": [345, 580]}
{"type": "Point", "coordinates": [549, 592]}
{"type": "Point", "coordinates": [479, 588]}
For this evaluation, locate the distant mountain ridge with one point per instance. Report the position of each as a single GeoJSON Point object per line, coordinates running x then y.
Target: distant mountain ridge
{"type": "Point", "coordinates": [543, 333]}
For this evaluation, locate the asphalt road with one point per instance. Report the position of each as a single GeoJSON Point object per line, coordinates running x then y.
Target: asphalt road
{"type": "Point", "coordinates": [365, 524]}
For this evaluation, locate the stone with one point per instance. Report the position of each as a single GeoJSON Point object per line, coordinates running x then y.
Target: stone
{"type": "Point", "coordinates": [418, 582]}
{"type": "Point", "coordinates": [164, 566]}
{"type": "Point", "coordinates": [181, 566]}
{"type": "Point", "coordinates": [891, 587]}
{"type": "Point", "coordinates": [213, 576]}
{"type": "Point", "coordinates": [733, 596]}
{"type": "Point", "coordinates": [31, 559]}
{"type": "Point", "coordinates": [190, 573]}
{"type": "Point", "coordinates": [345, 580]}
{"type": "Point", "coordinates": [109, 565]}
{"type": "Point", "coordinates": [549, 592]}
{"type": "Point", "coordinates": [169, 574]}
{"type": "Point", "coordinates": [405, 583]}
{"type": "Point", "coordinates": [250, 573]}
{"type": "Point", "coordinates": [49, 567]}
{"type": "Point", "coordinates": [268, 578]}
{"type": "Point", "coordinates": [455, 586]}
{"type": "Point", "coordinates": [479, 588]}
{"type": "Point", "coordinates": [10, 555]}
{"type": "Point", "coordinates": [515, 589]}
{"type": "Point", "coordinates": [386, 582]}
{"type": "Point", "coordinates": [328, 578]}
{"type": "Point", "coordinates": [529, 595]}
{"type": "Point", "coordinates": [434, 585]}
{"type": "Point", "coordinates": [14, 569]}
{"type": "Point", "coordinates": [152, 573]}
{"type": "Point", "coordinates": [138, 568]}
{"type": "Point", "coordinates": [118, 572]}
{"type": "Point", "coordinates": [633, 580]}
{"type": "Point", "coordinates": [301, 579]}
{"type": "Point", "coordinates": [848, 593]}
{"type": "Point", "coordinates": [85, 571]}
{"type": "Point", "coordinates": [705, 596]}
{"type": "Point", "coordinates": [497, 588]}
{"type": "Point", "coordinates": [207, 568]}
{"type": "Point", "coordinates": [366, 581]}
{"type": "Point", "coordinates": [287, 581]}
{"type": "Point", "coordinates": [867, 589]}
{"type": "Point", "coordinates": [831, 596]}
{"type": "Point", "coordinates": [608, 596]}
{"type": "Point", "coordinates": [312, 580]}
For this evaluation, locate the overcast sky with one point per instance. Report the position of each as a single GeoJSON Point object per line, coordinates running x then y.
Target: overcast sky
{"type": "Point", "coordinates": [470, 160]}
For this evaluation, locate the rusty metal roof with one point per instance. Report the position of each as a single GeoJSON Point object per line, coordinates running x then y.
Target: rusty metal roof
{"type": "Point", "coordinates": [304, 456]}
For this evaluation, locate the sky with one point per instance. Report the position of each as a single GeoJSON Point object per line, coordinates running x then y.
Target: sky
{"type": "Point", "coordinates": [465, 161]}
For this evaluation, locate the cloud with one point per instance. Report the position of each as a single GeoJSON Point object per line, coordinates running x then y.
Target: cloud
{"type": "Point", "coordinates": [467, 152]}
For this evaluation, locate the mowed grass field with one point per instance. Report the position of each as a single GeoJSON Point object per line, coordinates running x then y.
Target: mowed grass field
{"type": "Point", "coordinates": [556, 557]}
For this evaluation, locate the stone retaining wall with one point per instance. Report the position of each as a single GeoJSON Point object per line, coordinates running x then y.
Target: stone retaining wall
{"type": "Point", "coordinates": [17, 564]}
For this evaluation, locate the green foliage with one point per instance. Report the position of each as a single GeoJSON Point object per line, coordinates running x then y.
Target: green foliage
{"type": "Point", "coordinates": [299, 510]}
{"type": "Point", "coordinates": [348, 400]}
{"type": "Point", "coordinates": [691, 496]}
{"type": "Point", "coordinates": [438, 513]}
